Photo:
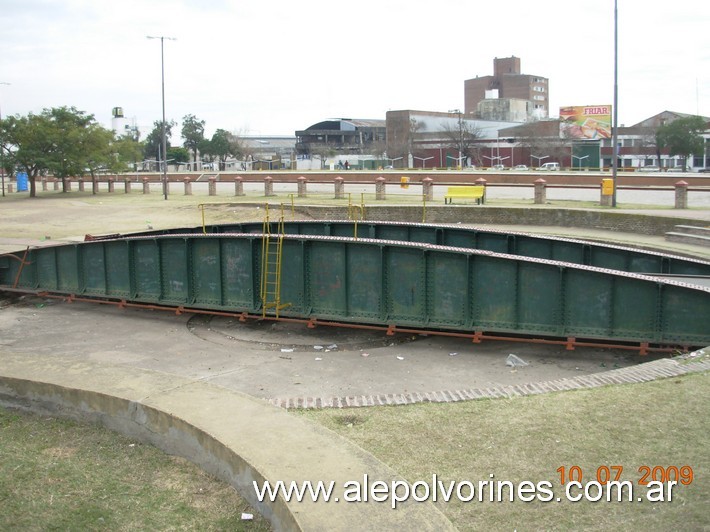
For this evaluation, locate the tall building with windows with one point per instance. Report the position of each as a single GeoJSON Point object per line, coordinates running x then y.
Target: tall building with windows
{"type": "Point", "coordinates": [491, 94]}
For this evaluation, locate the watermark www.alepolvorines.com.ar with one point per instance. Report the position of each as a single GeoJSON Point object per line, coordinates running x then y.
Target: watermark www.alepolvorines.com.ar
{"type": "Point", "coordinates": [434, 490]}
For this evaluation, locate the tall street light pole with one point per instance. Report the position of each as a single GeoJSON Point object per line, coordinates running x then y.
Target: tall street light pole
{"type": "Point", "coordinates": [2, 153]}
{"type": "Point", "coordinates": [615, 111]}
{"type": "Point", "coordinates": [165, 140]}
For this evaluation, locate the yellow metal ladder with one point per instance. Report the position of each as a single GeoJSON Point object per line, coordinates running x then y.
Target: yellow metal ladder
{"type": "Point", "coordinates": [271, 255]}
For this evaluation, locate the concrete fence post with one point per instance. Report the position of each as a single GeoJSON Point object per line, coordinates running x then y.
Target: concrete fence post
{"type": "Point", "coordinates": [339, 187]}
{"type": "Point", "coordinates": [605, 199]}
{"type": "Point", "coordinates": [44, 183]}
{"type": "Point", "coordinates": [126, 185]}
{"type": "Point", "coordinates": [188, 186]}
{"type": "Point", "coordinates": [380, 193]}
{"type": "Point", "coordinates": [56, 183]}
{"type": "Point", "coordinates": [481, 182]}
{"type": "Point", "coordinates": [268, 186]}
{"type": "Point", "coordinates": [111, 184]}
{"type": "Point", "coordinates": [540, 191]}
{"type": "Point", "coordinates": [9, 188]}
{"type": "Point", "coordinates": [302, 187]}
{"type": "Point", "coordinates": [239, 186]}
{"type": "Point", "coordinates": [212, 186]}
{"type": "Point", "coordinates": [68, 182]}
{"type": "Point", "coordinates": [681, 195]}
{"type": "Point", "coordinates": [80, 181]}
{"type": "Point", "coordinates": [94, 185]}
{"type": "Point", "coordinates": [146, 186]}
{"type": "Point", "coordinates": [428, 188]}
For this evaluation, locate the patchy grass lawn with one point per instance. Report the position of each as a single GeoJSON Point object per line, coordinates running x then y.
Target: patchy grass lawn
{"type": "Point", "coordinates": [661, 423]}
{"type": "Point", "coordinates": [61, 475]}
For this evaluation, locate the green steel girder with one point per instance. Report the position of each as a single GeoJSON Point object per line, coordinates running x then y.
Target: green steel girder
{"type": "Point", "coordinates": [522, 244]}
{"type": "Point", "coordinates": [375, 281]}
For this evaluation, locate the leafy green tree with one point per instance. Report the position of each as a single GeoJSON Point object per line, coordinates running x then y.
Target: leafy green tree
{"type": "Point", "coordinates": [63, 141]}
{"type": "Point", "coordinates": [178, 155]}
{"type": "Point", "coordinates": [223, 146]}
{"type": "Point", "coordinates": [153, 146]}
{"type": "Point", "coordinates": [193, 133]}
{"type": "Point", "coordinates": [127, 153]}
{"type": "Point", "coordinates": [681, 137]}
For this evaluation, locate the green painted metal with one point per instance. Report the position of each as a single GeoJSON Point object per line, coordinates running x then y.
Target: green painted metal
{"type": "Point", "coordinates": [385, 282]}
{"type": "Point", "coordinates": [521, 244]}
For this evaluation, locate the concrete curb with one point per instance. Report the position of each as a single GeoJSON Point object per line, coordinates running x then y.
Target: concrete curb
{"type": "Point", "coordinates": [646, 372]}
{"type": "Point", "coordinates": [229, 434]}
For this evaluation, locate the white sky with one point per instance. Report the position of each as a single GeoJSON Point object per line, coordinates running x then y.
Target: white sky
{"type": "Point", "coordinates": [270, 67]}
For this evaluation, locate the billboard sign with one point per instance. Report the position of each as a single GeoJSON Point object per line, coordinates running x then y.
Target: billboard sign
{"type": "Point", "coordinates": [586, 122]}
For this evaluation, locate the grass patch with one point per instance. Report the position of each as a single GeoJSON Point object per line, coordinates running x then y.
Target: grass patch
{"type": "Point", "coordinates": [660, 423]}
{"type": "Point", "coordinates": [59, 474]}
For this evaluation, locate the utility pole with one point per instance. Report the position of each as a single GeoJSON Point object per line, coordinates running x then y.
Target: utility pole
{"type": "Point", "coordinates": [165, 140]}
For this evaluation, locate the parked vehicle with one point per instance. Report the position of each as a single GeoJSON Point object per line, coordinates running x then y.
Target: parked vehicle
{"type": "Point", "coordinates": [498, 167]}
{"type": "Point", "coordinates": [521, 168]}
{"type": "Point", "coordinates": [550, 166]}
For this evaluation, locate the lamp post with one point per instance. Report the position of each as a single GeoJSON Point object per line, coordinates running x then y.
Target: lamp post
{"type": "Point", "coordinates": [393, 160]}
{"type": "Point", "coordinates": [422, 159]}
{"type": "Point", "coordinates": [539, 158]}
{"type": "Point", "coordinates": [165, 140]}
{"type": "Point", "coordinates": [580, 159]}
{"type": "Point", "coordinates": [2, 153]}
{"type": "Point", "coordinates": [614, 128]}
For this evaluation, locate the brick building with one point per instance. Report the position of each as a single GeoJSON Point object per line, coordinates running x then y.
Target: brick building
{"type": "Point", "coordinates": [507, 83]}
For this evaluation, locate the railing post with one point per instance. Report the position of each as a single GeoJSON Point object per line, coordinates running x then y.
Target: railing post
{"type": "Point", "coordinates": [339, 187]}
{"type": "Point", "coordinates": [481, 182]}
{"type": "Point", "coordinates": [681, 195]}
{"type": "Point", "coordinates": [268, 186]}
{"type": "Point", "coordinates": [239, 186]}
{"type": "Point", "coordinates": [380, 188]}
{"type": "Point", "coordinates": [428, 188]}
{"type": "Point", "coordinates": [540, 191]}
{"type": "Point", "coordinates": [302, 186]}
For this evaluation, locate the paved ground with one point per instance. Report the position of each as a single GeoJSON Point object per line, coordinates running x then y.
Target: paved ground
{"type": "Point", "coordinates": [279, 361]}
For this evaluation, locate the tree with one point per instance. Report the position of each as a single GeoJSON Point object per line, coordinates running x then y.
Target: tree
{"type": "Point", "coordinates": [221, 146]}
{"type": "Point", "coordinates": [178, 155]}
{"type": "Point", "coordinates": [193, 133]}
{"type": "Point", "coordinates": [63, 141]}
{"type": "Point", "coordinates": [681, 137]}
{"type": "Point", "coordinates": [154, 141]}
{"type": "Point", "coordinates": [461, 137]}
{"type": "Point", "coordinates": [127, 152]}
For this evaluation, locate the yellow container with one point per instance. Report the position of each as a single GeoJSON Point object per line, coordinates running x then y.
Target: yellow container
{"type": "Point", "coordinates": [607, 187]}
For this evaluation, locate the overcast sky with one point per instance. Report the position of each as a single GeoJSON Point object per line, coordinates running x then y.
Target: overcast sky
{"type": "Point", "coordinates": [269, 67]}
